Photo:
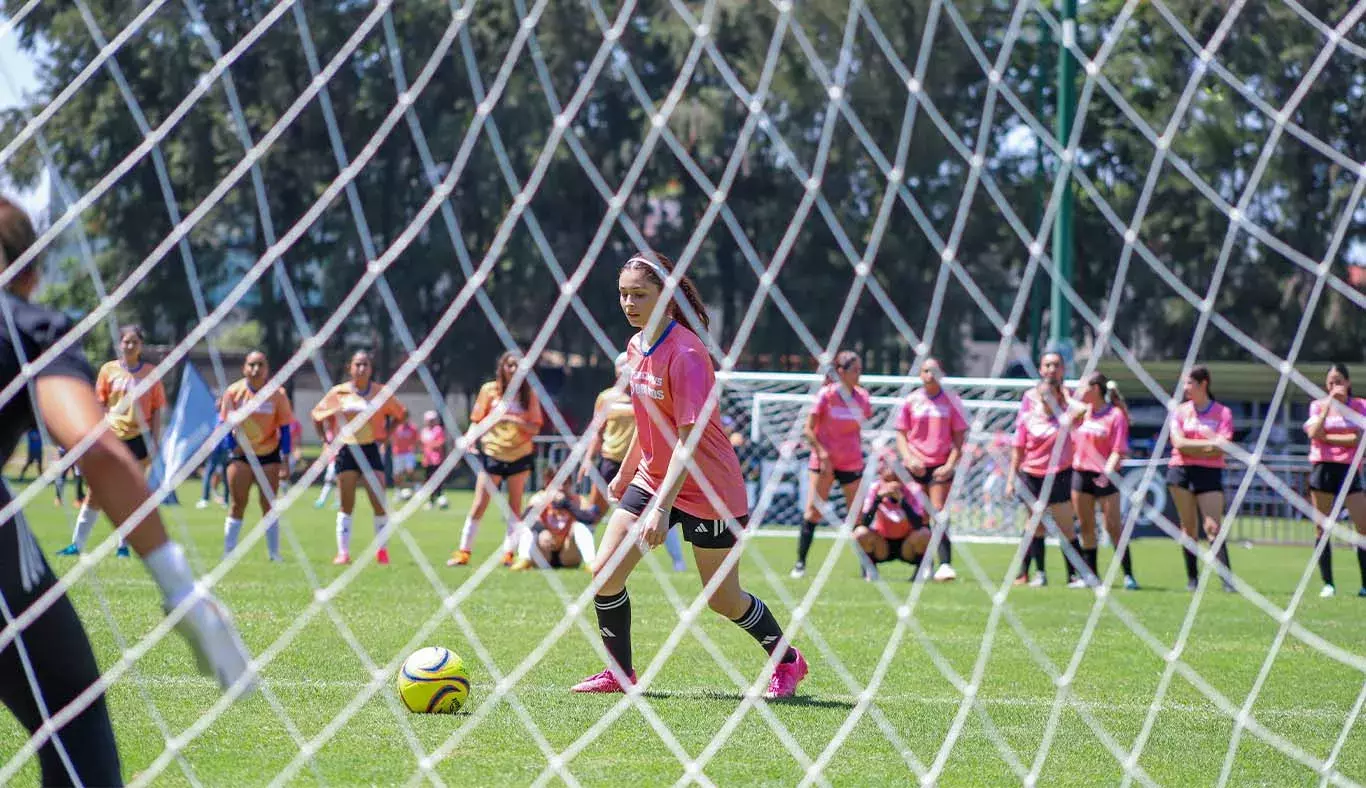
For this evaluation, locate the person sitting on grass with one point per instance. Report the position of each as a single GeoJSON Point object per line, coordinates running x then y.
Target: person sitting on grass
{"type": "Point", "coordinates": [559, 537]}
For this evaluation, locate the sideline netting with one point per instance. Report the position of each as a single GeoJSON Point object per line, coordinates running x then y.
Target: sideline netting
{"type": "Point", "coordinates": [770, 416]}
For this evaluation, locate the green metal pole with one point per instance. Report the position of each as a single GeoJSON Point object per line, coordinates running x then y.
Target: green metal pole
{"type": "Point", "coordinates": [1061, 310]}
{"type": "Point", "coordinates": [1040, 190]}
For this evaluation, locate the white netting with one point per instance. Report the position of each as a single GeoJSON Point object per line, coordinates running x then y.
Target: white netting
{"type": "Point", "coordinates": [767, 408]}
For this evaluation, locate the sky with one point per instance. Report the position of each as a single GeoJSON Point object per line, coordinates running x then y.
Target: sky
{"type": "Point", "coordinates": [17, 76]}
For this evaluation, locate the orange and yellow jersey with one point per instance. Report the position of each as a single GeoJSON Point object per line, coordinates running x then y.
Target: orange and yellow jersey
{"type": "Point", "coordinates": [258, 428]}
{"type": "Point", "coordinates": [618, 422]}
{"type": "Point", "coordinates": [343, 403]}
{"type": "Point", "coordinates": [508, 440]}
{"type": "Point", "coordinates": [114, 388]}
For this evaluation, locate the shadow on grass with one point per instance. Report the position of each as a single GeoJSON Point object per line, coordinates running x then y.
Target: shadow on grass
{"type": "Point", "coordinates": [736, 697]}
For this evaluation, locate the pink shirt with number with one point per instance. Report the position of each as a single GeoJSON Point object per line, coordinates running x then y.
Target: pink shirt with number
{"type": "Point", "coordinates": [839, 418]}
{"type": "Point", "coordinates": [1216, 421]}
{"type": "Point", "coordinates": [929, 424]}
{"type": "Point", "coordinates": [1337, 423]}
{"type": "Point", "coordinates": [1099, 435]}
{"type": "Point", "coordinates": [433, 440]}
{"type": "Point", "coordinates": [671, 384]}
{"type": "Point", "coordinates": [1038, 433]}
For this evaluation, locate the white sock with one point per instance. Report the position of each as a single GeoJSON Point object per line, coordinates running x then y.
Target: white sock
{"type": "Point", "coordinates": [343, 533]}
{"type": "Point", "coordinates": [468, 533]}
{"type": "Point", "coordinates": [524, 545]}
{"type": "Point", "coordinates": [674, 544]}
{"type": "Point", "coordinates": [168, 567]}
{"type": "Point", "coordinates": [272, 536]}
{"type": "Point", "coordinates": [232, 526]}
{"type": "Point", "coordinates": [85, 523]}
{"type": "Point", "coordinates": [510, 536]}
{"type": "Point", "coordinates": [583, 539]}
{"type": "Point", "coordinates": [381, 522]}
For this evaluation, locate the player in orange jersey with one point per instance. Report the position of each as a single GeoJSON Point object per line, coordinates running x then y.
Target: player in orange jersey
{"type": "Point", "coordinates": [260, 424]}
{"type": "Point", "coordinates": [358, 414]}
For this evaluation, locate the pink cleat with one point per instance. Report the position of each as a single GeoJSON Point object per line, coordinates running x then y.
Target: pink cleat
{"type": "Point", "coordinates": [382, 556]}
{"type": "Point", "coordinates": [341, 559]}
{"type": "Point", "coordinates": [786, 676]}
{"type": "Point", "coordinates": [605, 681]}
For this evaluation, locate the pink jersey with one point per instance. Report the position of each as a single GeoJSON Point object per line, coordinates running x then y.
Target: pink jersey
{"type": "Point", "coordinates": [839, 418]}
{"type": "Point", "coordinates": [405, 438]}
{"type": "Point", "coordinates": [671, 384]}
{"type": "Point", "coordinates": [1099, 435]}
{"type": "Point", "coordinates": [433, 441]}
{"type": "Point", "coordinates": [929, 424]}
{"type": "Point", "coordinates": [1037, 433]}
{"type": "Point", "coordinates": [1215, 422]}
{"type": "Point", "coordinates": [1337, 423]}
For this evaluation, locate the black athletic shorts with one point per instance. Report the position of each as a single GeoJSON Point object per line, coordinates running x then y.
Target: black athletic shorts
{"type": "Point", "coordinates": [1196, 478]}
{"type": "Point", "coordinates": [552, 557]}
{"type": "Point", "coordinates": [358, 457]}
{"type": "Point", "coordinates": [138, 446]}
{"type": "Point", "coordinates": [608, 469]}
{"type": "Point", "coordinates": [63, 664]}
{"type": "Point", "coordinates": [506, 469]}
{"type": "Point", "coordinates": [696, 531]}
{"type": "Point", "coordinates": [848, 477]}
{"type": "Point", "coordinates": [1332, 477]}
{"type": "Point", "coordinates": [927, 478]}
{"type": "Point", "coordinates": [1085, 482]}
{"type": "Point", "coordinates": [265, 459]}
{"type": "Point", "coordinates": [1060, 492]}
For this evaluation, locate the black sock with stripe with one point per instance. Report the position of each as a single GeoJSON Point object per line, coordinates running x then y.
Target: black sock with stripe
{"type": "Point", "coordinates": [759, 622]}
{"type": "Point", "coordinates": [614, 624]}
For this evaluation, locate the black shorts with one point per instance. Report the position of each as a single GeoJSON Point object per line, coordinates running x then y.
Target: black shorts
{"type": "Point", "coordinates": [1332, 477]}
{"type": "Point", "coordinates": [927, 478]}
{"type": "Point", "coordinates": [552, 557]}
{"type": "Point", "coordinates": [1196, 478]}
{"type": "Point", "coordinates": [138, 446]}
{"type": "Point", "coordinates": [1085, 482]}
{"type": "Point", "coordinates": [506, 469]}
{"type": "Point", "coordinates": [893, 552]}
{"type": "Point", "coordinates": [272, 458]}
{"type": "Point", "coordinates": [1060, 492]}
{"type": "Point", "coordinates": [608, 469]}
{"type": "Point", "coordinates": [696, 531]}
{"type": "Point", "coordinates": [358, 457]}
{"type": "Point", "coordinates": [848, 477]}
{"type": "Point", "coordinates": [63, 665]}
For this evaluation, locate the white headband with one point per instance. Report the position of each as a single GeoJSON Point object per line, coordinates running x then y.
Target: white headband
{"type": "Point", "coordinates": [658, 269]}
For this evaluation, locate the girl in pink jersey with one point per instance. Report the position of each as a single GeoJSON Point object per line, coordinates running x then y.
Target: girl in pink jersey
{"type": "Point", "coordinates": [680, 470]}
{"type": "Point", "coordinates": [1334, 428]}
{"type": "Point", "coordinates": [892, 526]}
{"type": "Point", "coordinates": [1200, 429]}
{"type": "Point", "coordinates": [1042, 460]}
{"type": "Point", "coordinates": [1101, 442]}
{"type": "Point", "coordinates": [930, 428]}
{"type": "Point", "coordinates": [432, 438]}
{"type": "Point", "coordinates": [834, 431]}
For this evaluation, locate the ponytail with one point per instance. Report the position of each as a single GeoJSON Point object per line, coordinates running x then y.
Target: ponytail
{"type": "Point", "coordinates": [1200, 374]}
{"type": "Point", "coordinates": [1115, 398]}
{"type": "Point", "coordinates": [658, 267]}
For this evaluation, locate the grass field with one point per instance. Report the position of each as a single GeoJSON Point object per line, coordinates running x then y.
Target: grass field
{"type": "Point", "coordinates": [1305, 699]}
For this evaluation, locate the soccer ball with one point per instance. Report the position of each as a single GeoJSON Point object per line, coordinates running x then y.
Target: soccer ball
{"type": "Point", "coordinates": [433, 680]}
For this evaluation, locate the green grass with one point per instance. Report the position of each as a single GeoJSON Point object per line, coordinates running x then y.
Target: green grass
{"type": "Point", "coordinates": [1305, 699]}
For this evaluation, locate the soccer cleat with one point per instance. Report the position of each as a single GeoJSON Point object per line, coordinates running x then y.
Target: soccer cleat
{"type": "Point", "coordinates": [1362, 592]}
{"type": "Point", "coordinates": [1039, 580]}
{"type": "Point", "coordinates": [427, 507]}
{"type": "Point", "coordinates": [72, 549]}
{"type": "Point", "coordinates": [1192, 584]}
{"type": "Point", "coordinates": [1229, 588]}
{"type": "Point", "coordinates": [786, 677]}
{"type": "Point", "coordinates": [1130, 584]}
{"type": "Point", "coordinates": [1327, 592]}
{"type": "Point", "coordinates": [508, 558]}
{"type": "Point", "coordinates": [382, 556]}
{"type": "Point", "coordinates": [318, 504]}
{"type": "Point", "coordinates": [1021, 579]}
{"type": "Point", "coordinates": [57, 503]}
{"type": "Point", "coordinates": [945, 574]}
{"type": "Point", "coordinates": [217, 647]}
{"type": "Point", "coordinates": [442, 502]}
{"type": "Point", "coordinates": [522, 564]}
{"type": "Point", "coordinates": [201, 504]}
{"type": "Point", "coordinates": [680, 566]}
{"type": "Point", "coordinates": [122, 552]}
{"type": "Point", "coordinates": [871, 574]}
{"type": "Point", "coordinates": [1077, 582]}
{"type": "Point", "coordinates": [341, 559]}
{"type": "Point", "coordinates": [459, 558]}
{"type": "Point", "coordinates": [276, 558]}
{"type": "Point", "coordinates": [798, 571]}
{"type": "Point", "coordinates": [603, 682]}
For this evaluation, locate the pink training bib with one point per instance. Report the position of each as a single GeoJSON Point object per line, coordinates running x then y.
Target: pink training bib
{"type": "Point", "coordinates": [1337, 423]}
{"type": "Point", "coordinates": [839, 417]}
{"type": "Point", "coordinates": [929, 424]}
{"type": "Point", "coordinates": [1215, 421]}
{"type": "Point", "coordinates": [1098, 436]}
{"type": "Point", "coordinates": [1037, 432]}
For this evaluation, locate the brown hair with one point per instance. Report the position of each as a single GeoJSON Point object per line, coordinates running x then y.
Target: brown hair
{"type": "Point", "coordinates": [16, 232]}
{"type": "Point", "coordinates": [1200, 374]}
{"type": "Point", "coordinates": [1109, 390]}
{"type": "Point", "coordinates": [503, 379]}
{"type": "Point", "coordinates": [647, 262]}
{"type": "Point", "coordinates": [1341, 369]}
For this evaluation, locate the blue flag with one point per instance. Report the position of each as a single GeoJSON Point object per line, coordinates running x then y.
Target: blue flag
{"type": "Point", "coordinates": [194, 417]}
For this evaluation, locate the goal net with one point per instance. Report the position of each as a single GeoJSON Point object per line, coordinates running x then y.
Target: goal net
{"type": "Point", "coordinates": [1154, 184]}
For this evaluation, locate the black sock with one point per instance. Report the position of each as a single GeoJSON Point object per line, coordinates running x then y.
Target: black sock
{"type": "Point", "coordinates": [614, 624]}
{"type": "Point", "coordinates": [1326, 563]}
{"type": "Point", "coordinates": [1361, 564]}
{"type": "Point", "coordinates": [759, 622]}
{"type": "Point", "coordinates": [1078, 553]}
{"type": "Point", "coordinates": [1126, 560]}
{"type": "Point", "coordinates": [804, 537]}
{"type": "Point", "coordinates": [945, 548]}
{"type": "Point", "coordinates": [1221, 556]}
{"type": "Point", "coordinates": [1038, 553]}
{"type": "Point", "coordinates": [1092, 556]}
{"type": "Point", "coordinates": [1192, 564]}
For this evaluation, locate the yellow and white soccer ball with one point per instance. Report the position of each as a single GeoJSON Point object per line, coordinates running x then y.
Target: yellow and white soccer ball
{"type": "Point", "coordinates": [433, 680]}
